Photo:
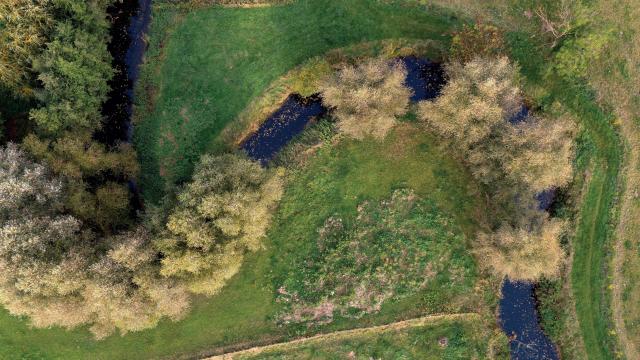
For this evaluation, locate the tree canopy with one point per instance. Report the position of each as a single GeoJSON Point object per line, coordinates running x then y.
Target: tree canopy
{"type": "Point", "coordinates": [367, 98]}
{"type": "Point", "coordinates": [56, 271]}
{"type": "Point", "coordinates": [222, 213]}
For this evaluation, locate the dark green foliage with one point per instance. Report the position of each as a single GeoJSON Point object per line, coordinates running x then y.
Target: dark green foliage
{"type": "Point", "coordinates": [551, 304]}
{"type": "Point", "coordinates": [74, 70]}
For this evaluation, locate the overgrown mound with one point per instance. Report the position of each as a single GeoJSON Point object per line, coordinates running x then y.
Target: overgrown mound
{"type": "Point", "coordinates": [392, 249]}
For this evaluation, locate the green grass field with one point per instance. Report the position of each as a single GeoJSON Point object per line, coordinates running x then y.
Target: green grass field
{"type": "Point", "coordinates": [234, 55]}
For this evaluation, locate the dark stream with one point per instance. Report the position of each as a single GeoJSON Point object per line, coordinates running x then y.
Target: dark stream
{"type": "Point", "coordinates": [518, 312]}
{"type": "Point", "coordinates": [129, 23]}
{"type": "Point", "coordinates": [282, 126]}
{"type": "Point", "coordinates": [424, 77]}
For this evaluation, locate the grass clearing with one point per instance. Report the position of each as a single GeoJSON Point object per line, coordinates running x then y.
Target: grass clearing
{"type": "Point", "coordinates": [236, 54]}
{"type": "Point", "coordinates": [616, 79]}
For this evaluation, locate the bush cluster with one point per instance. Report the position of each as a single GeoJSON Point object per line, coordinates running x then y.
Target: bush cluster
{"type": "Point", "coordinates": [219, 216]}
{"type": "Point", "coordinates": [514, 158]}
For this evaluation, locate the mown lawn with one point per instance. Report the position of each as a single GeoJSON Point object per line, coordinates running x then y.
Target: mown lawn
{"type": "Point", "coordinates": [214, 61]}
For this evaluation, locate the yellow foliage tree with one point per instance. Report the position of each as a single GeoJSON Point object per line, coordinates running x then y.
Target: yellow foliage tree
{"type": "Point", "coordinates": [514, 161]}
{"type": "Point", "coordinates": [220, 215]}
{"type": "Point", "coordinates": [367, 98]}
{"type": "Point", "coordinates": [521, 253]}
{"type": "Point", "coordinates": [52, 272]}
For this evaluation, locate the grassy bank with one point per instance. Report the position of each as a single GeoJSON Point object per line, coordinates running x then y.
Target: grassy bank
{"type": "Point", "coordinates": [186, 101]}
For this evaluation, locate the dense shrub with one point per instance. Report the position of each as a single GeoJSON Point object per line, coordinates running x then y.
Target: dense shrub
{"type": "Point", "coordinates": [477, 40]}
{"type": "Point", "coordinates": [220, 215]}
{"type": "Point", "coordinates": [392, 249]}
{"type": "Point", "coordinates": [367, 98]}
{"type": "Point", "coordinates": [51, 270]}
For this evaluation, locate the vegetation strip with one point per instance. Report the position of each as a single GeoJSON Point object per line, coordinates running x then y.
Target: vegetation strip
{"type": "Point", "coordinates": [417, 322]}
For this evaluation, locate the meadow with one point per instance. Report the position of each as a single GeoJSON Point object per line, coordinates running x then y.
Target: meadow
{"type": "Point", "coordinates": [455, 338]}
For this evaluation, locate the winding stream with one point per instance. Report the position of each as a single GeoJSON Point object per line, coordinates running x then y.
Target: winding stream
{"type": "Point", "coordinates": [518, 307]}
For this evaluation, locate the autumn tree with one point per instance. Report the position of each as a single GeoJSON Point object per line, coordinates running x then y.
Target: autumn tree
{"type": "Point", "coordinates": [523, 253]}
{"type": "Point", "coordinates": [52, 270]}
{"type": "Point", "coordinates": [473, 114]}
{"type": "Point", "coordinates": [538, 152]}
{"type": "Point", "coordinates": [367, 98]}
{"type": "Point", "coordinates": [85, 162]}
{"type": "Point", "coordinates": [219, 216]}
{"type": "Point", "coordinates": [126, 292]}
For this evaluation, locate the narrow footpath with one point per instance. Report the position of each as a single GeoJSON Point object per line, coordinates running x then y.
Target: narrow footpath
{"type": "Point", "coordinates": [406, 324]}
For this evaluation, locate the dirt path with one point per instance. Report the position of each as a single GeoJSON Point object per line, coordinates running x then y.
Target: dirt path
{"type": "Point", "coordinates": [349, 333]}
